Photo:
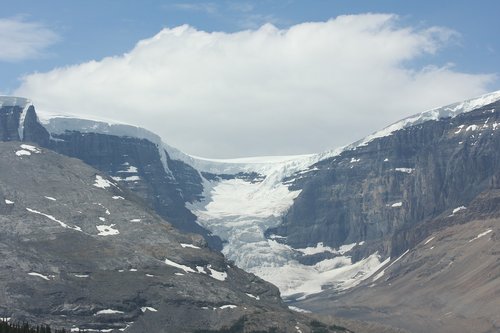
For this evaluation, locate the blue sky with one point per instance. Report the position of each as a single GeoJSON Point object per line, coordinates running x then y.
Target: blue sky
{"type": "Point", "coordinates": [68, 33]}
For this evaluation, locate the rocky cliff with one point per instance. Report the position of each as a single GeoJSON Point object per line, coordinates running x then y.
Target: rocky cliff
{"type": "Point", "coordinates": [377, 190]}
{"type": "Point", "coordinates": [138, 163]}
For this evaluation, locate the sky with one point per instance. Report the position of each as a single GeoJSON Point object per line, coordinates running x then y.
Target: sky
{"type": "Point", "coordinates": [226, 79]}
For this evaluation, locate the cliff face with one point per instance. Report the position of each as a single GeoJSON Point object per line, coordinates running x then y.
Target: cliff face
{"type": "Point", "coordinates": [375, 191]}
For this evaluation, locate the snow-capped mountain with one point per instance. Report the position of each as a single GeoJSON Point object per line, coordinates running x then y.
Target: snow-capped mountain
{"type": "Point", "coordinates": [309, 224]}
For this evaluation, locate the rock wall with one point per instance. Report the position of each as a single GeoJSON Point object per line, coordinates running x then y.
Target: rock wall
{"type": "Point", "coordinates": [415, 174]}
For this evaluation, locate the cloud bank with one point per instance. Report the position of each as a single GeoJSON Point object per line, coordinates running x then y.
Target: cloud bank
{"type": "Point", "coordinates": [20, 40]}
{"type": "Point", "coordinates": [305, 89]}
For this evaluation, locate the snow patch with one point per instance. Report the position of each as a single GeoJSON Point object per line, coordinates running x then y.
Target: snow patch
{"type": "Point", "coordinates": [189, 246]}
{"type": "Point", "coordinates": [23, 153]}
{"type": "Point", "coordinates": [82, 276]}
{"type": "Point", "coordinates": [108, 311]}
{"type": "Point", "coordinates": [404, 170]}
{"type": "Point", "coordinates": [107, 230]}
{"type": "Point", "coordinates": [102, 183]}
{"type": "Point", "coordinates": [253, 296]}
{"type": "Point", "coordinates": [221, 276]}
{"type": "Point", "coordinates": [31, 148]}
{"type": "Point", "coordinates": [52, 218]}
{"type": "Point", "coordinates": [429, 240]}
{"type": "Point", "coordinates": [45, 277]}
{"type": "Point", "coordinates": [481, 235]}
{"type": "Point", "coordinates": [379, 275]}
{"type": "Point", "coordinates": [397, 204]}
{"type": "Point", "coordinates": [471, 128]}
{"type": "Point", "coordinates": [50, 198]}
{"type": "Point", "coordinates": [130, 169]}
{"type": "Point", "coordinates": [135, 220]}
{"type": "Point", "coordinates": [117, 197]}
{"type": "Point", "coordinates": [296, 309]}
{"type": "Point", "coordinates": [456, 210]}
{"type": "Point", "coordinates": [176, 265]}
{"type": "Point", "coordinates": [8, 202]}
{"type": "Point", "coordinates": [228, 306]}
{"type": "Point", "coordinates": [148, 308]}
{"type": "Point", "coordinates": [127, 179]}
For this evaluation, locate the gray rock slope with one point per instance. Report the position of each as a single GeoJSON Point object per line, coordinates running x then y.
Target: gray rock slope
{"type": "Point", "coordinates": [448, 282]}
{"type": "Point", "coordinates": [80, 251]}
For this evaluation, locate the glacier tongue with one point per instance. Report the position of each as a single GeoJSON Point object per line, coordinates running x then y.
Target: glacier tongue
{"type": "Point", "coordinates": [240, 212]}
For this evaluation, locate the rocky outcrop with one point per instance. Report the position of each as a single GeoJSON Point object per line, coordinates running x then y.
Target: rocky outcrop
{"type": "Point", "coordinates": [373, 192]}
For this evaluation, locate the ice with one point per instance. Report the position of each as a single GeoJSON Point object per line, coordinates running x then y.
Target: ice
{"type": "Point", "coordinates": [23, 153]}
{"type": "Point", "coordinates": [397, 204]}
{"type": "Point", "coordinates": [228, 306]}
{"type": "Point", "coordinates": [176, 265]}
{"type": "Point", "coordinates": [240, 212]}
{"type": "Point", "coordinates": [50, 217]}
{"type": "Point", "coordinates": [148, 308]}
{"type": "Point", "coordinates": [39, 275]}
{"type": "Point", "coordinates": [107, 230]}
{"type": "Point", "coordinates": [481, 235]}
{"type": "Point", "coordinates": [190, 246]}
{"type": "Point", "coordinates": [20, 102]}
{"type": "Point", "coordinates": [133, 270]}
{"type": "Point", "coordinates": [108, 311]}
{"type": "Point", "coordinates": [150, 275]}
{"type": "Point", "coordinates": [8, 202]}
{"type": "Point", "coordinates": [50, 198]}
{"type": "Point", "coordinates": [135, 220]}
{"type": "Point", "coordinates": [117, 197]}
{"type": "Point", "coordinates": [82, 276]}
{"type": "Point", "coordinates": [320, 248]}
{"type": "Point", "coordinates": [60, 124]}
{"type": "Point", "coordinates": [102, 183]}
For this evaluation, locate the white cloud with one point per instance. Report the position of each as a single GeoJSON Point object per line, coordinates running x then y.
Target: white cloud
{"type": "Point", "coordinates": [308, 88]}
{"type": "Point", "coordinates": [20, 40]}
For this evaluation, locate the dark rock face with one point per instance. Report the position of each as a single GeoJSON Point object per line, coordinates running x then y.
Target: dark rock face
{"type": "Point", "coordinates": [80, 251]}
{"type": "Point", "coordinates": [372, 193]}
{"type": "Point", "coordinates": [9, 122]}
{"type": "Point", "coordinates": [135, 163]}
